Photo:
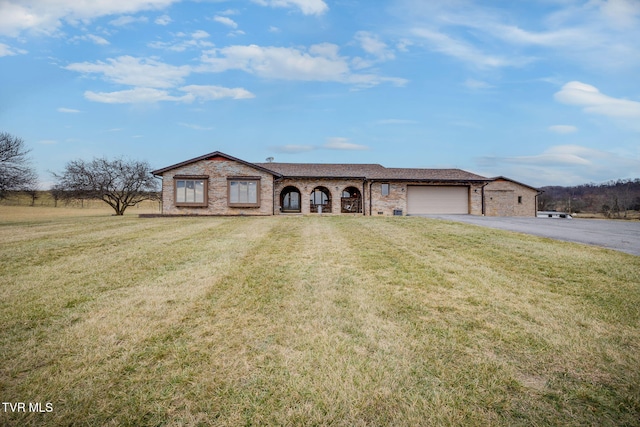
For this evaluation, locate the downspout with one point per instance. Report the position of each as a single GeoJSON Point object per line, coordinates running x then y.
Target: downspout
{"type": "Point", "coordinates": [535, 208]}
{"type": "Point", "coordinates": [364, 192]}
{"type": "Point", "coordinates": [482, 192]}
{"type": "Point", "coordinates": [370, 201]}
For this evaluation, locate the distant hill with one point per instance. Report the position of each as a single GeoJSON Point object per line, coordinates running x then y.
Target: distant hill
{"type": "Point", "coordinates": [612, 198]}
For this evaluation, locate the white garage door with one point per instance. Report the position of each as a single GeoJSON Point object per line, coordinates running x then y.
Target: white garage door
{"type": "Point", "coordinates": [437, 199]}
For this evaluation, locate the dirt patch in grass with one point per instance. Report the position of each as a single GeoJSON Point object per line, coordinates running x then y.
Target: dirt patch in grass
{"type": "Point", "coordinates": [313, 321]}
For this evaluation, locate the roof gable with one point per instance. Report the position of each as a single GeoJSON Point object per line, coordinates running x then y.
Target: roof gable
{"type": "Point", "coordinates": [504, 178]}
{"type": "Point", "coordinates": [213, 156]}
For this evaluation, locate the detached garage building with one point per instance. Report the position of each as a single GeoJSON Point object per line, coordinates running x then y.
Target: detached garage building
{"type": "Point", "coordinates": [219, 184]}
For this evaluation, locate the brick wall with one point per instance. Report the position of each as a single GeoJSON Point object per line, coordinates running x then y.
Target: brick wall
{"type": "Point", "coordinates": [397, 198]}
{"type": "Point", "coordinates": [306, 187]}
{"type": "Point", "coordinates": [501, 199]}
{"type": "Point", "coordinates": [218, 170]}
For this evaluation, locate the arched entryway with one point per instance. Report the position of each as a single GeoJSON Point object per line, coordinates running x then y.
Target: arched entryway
{"type": "Point", "coordinates": [290, 200]}
{"type": "Point", "coordinates": [351, 201]}
{"type": "Point", "coordinates": [320, 200]}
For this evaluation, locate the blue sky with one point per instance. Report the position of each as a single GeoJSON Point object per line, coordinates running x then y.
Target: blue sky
{"type": "Point", "coordinates": [546, 92]}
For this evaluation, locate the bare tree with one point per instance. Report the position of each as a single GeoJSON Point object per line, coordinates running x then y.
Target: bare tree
{"type": "Point", "coordinates": [120, 183]}
{"type": "Point", "coordinates": [16, 173]}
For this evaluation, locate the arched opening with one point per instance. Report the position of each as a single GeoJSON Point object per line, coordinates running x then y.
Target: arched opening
{"type": "Point", "coordinates": [320, 200]}
{"type": "Point", "coordinates": [290, 200]}
{"type": "Point", "coordinates": [351, 201]}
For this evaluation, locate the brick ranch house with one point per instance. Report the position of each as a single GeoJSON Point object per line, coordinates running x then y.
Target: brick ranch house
{"type": "Point", "coordinates": [219, 184]}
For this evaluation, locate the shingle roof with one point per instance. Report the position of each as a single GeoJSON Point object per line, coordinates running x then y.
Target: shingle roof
{"type": "Point", "coordinates": [343, 170]}
{"type": "Point", "coordinates": [432, 174]}
{"type": "Point", "coordinates": [369, 171]}
{"type": "Point", "coordinates": [323, 170]}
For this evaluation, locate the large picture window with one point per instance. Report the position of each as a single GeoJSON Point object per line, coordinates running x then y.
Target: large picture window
{"type": "Point", "coordinates": [244, 192]}
{"type": "Point", "coordinates": [191, 191]}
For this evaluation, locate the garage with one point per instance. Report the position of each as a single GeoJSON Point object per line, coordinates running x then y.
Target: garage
{"type": "Point", "coordinates": [423, 199]}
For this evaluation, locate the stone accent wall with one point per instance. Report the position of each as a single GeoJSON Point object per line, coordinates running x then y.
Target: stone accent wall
{"type": "Point", "coordinates": [218, 169]}
{"type": "Point", "coordinates": [501, 199]}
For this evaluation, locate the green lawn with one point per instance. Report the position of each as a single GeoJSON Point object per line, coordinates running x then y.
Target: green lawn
{"type": "Point", "coordinates": [352, 321]}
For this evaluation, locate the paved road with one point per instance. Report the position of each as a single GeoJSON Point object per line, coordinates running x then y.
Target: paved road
{"type": "Point", "coordinates": [618, 235]}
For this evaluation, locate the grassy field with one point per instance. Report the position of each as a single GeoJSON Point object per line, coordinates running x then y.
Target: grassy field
{"type": "Point", "coordinates": [354, 321]}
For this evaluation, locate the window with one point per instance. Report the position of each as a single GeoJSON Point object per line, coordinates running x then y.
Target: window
{"type": "Point", "coordinates": [519, 200]}
{"type": "Point", "coordinates": [191, 191]}
{"type": "Point", "coordinates": [244, 191]}
{"type": "Point", "coordinates": [385, 189]}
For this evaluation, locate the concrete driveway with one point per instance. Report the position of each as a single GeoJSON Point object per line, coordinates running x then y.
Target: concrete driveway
{"type": "Point", "coordinates": [618, 235]}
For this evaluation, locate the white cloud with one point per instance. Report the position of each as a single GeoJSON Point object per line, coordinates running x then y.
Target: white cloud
{"type": "Point", "coordinates": [320, 62]}
{"type": "Point", "coordinates": [562, 165]}
{"type": "Point", "coordinates": [47, 16]}
{"type": "Point", "coordinates": [622, 13]}
{"type": "Point", "coordinates": [200, 34]}
{"type": "Point", "coordinates": [98, 40]}
{"type": "Point", "coordinates": [122, 21]}
{"type": "Point", "coordinates": [600, 34]}
{"type": "Point", "coordinates": [465, 51]}
{"type": "Point", "coordinates": [225, 21]}
{"type": "Point", "coordinates": [372, 44]}
{"type": "Point", "coordinates": [180, 44]}
{"type": "Point", "coordinates": [307, 7]}
{"type": "Point", "coordinates": [335, 143]}
{"type": "Point", "coordinates": [132, 71]}
{"type": "Point", "coordinates": [67, 110]}
{"type": "Point", "coordinates": [563, 129]}
{"type": "Point", "coordinates": [210, 93]}
{"type": "Point", "coordinates": [195, 127]}
{"type": "Point", "coordinates": [134, 96]}
{"type": "Point", "coordinates": [163, 20]}
{"type": "Point", "coordinates": [6, 50]}
{"type": "Point", "coordinates": [145, 95]}
{"type": "Point", "coordinates": [47, 141]}
{"type": "Point", "coordinates": [593, 101]}
{"type": "Point", "coordinates": [338, 143]}
{"type": "Point", "coordinates": [91, 38]}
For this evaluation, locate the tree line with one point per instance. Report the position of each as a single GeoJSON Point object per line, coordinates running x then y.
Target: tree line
{"type": "Point", "coordinates": [614, 199]}
{"type": "Point", "coordinates": [120, 183]}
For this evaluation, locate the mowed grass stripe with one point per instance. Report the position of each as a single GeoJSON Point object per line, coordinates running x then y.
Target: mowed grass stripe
{"type": "Point", "coordinates": [176, 268]}
{"type": "Point", "coordinates": [61, 272]}
{"type": "Point", "coordinates": [546, 342]}
{"type": "Point", "coordinates": [335, 321]}
{"type": "Point", "coordinates": [289, 339]}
